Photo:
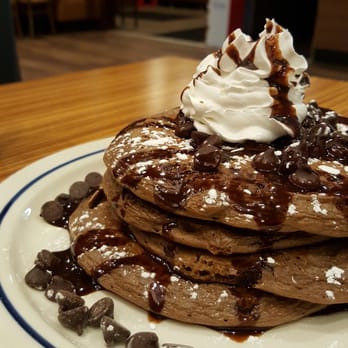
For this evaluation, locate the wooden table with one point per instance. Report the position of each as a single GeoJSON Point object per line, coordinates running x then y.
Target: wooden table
{"type": "Point", "coordinates": [40, 117]}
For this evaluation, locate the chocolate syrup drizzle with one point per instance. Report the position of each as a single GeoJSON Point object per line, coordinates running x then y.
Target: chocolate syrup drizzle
{"type": "Point", "coordinates": [249, 271]}
{"type": "Point", "coordinates": [282, 109]}
{"type": "Point", "coordinates": [283, 163]}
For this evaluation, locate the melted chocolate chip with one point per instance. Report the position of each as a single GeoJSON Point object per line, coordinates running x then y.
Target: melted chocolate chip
{"type": "Point", "coordinates": [337, 148]}
{"type": "Point", "coordinates": [170, 196]}
{"type": "Point", "coordinates": [306, 179]}
{"type": "Point", "coordinates": [317, 138]}
{"type": "Point", "coordinates": [266, 161]}
{"type": "Point", "coordinates": [184, 126]}
{"type": "Point", "coordinates": [214, 140]}
{"type": "Point", "coordinates": [198, 137]}
{"type": "Point", "coordinates": [207, 158]}
{"type": "Point", "coordinates": [294, 156]}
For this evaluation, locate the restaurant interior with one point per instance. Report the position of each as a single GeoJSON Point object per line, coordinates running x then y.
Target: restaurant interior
{"type": "Point", "coordinates": [76, 74]}
{"type": "Point", "coordinates": [43, 38]}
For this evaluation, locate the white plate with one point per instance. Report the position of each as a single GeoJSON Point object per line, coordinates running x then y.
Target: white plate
{"type": "Point", "coordinates": [28, 319]}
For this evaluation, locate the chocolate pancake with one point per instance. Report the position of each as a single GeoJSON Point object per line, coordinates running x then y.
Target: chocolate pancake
{"type": "Point", "coordinates": [290, 185]}
{"type": "Point", "coordinates": [313, 273]}
{"type": "Point", "coordinates": [214, 237]}
{"type": "Point", "coordinates": [106, 252]}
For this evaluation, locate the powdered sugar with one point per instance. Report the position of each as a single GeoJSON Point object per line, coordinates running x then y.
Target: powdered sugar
{"type": "Point", "coordinates": [85, 221]}
{"type": "Point", "coordinates": [114, 252]}
{"type": "Point", "coordinates": [334, 275]}
{"type": "Point", "coordinates": [270, 260]}
{"type": "Point", "coordinates": [146, 274]}
{"type": "Point", "coordinates": [317, 206]}
{"type": "Point", "coordinates": [223, 295]}
{"type": "Point", "coordinates": [211, 197]}
{"type": "Point", "coordinates": [329, 169]}
{"type": "Point", "coordinates": [214, 197]}
{"type": "Point", "coordinates": [240, 161]}
{"type": "Point", "coordinates": [330, 294]}
{"type": "Point", "coordinates": [292, 209]}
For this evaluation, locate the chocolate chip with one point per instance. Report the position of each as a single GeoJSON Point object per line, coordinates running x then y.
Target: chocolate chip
{"type": "Point", "coordinates": [103, 307]}
{"type": "Point", "coordinates": [207, 158]}
{"type": "Point", "coordinates": [198, 137]}
{"type": "Point", "coordinates": [58, 283]}
{"type": "Point", "coordinates": [213, 140]}
{"type": "Point", "coordinates": [321, 130]}
{"type": "Point", "coordinates": [112, 331]}
{"type": "Point", "coordinates": [330, 118]}
{"type": "Point", "coordinates": [294, 156]}
{"type": "Point", "coordinates": [266, 161]}
{"type": "Point", "coordinates": [317, 138]}
{"type": "Point", "coordinates": [68, 300]}
{"type": "Point", "coordinates": [47, 260]}
{"type": "Point", "coordinates": [37, 278]}
{"type": "Point", "coordinates": [171, 196]}
{"type": "Point", "coordinates": [143, 340]}
{"type": "Point", "coordinates": [63, 198]}
{"type": "Point", "coordinates": [52, 211]}
{"type": "Point", "coordinates": [306, 179]}
{"type": "Point", "coordinates": [74, 319]}
{"type": "Point", "coordinates": [337, 148]}
{"type": "Point", "coordinates": [184, 126]}
{"type": "Point", "coordinates": [78, 190]}
{"type": "Point", "coordinates": [93, 179]}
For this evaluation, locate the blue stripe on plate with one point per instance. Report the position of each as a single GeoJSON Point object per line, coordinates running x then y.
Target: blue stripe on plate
{"type": "Point", "coordinates": [3, 297]}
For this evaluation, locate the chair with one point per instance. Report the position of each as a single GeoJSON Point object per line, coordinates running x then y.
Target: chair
{"type": "Point", "coordinates": [9, 67]}
{"type": "Point", "coordinates": [34, 7]}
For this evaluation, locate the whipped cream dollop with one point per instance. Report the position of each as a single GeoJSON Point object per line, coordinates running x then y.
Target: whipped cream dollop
{"type": "Point", "coordinates": [249, 90]}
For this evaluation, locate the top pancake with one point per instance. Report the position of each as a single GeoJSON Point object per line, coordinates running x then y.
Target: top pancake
{"type": "Point", "coordinates": [291, 185]}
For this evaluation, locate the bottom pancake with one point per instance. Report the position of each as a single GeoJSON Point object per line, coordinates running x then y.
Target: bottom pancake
{"type": "Point", "coordinates": [105, 251]}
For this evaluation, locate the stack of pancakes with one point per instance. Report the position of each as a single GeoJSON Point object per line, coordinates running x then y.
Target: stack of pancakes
{"type": "Point", "coordinates": [224, 235]}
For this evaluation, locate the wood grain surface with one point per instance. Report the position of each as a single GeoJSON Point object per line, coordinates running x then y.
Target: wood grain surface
{"type": "Point", "coordinates": [40, 117]}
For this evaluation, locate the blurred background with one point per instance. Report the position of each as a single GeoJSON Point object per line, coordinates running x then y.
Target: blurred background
{"type": "Point", "coordinates": [42, 38]}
